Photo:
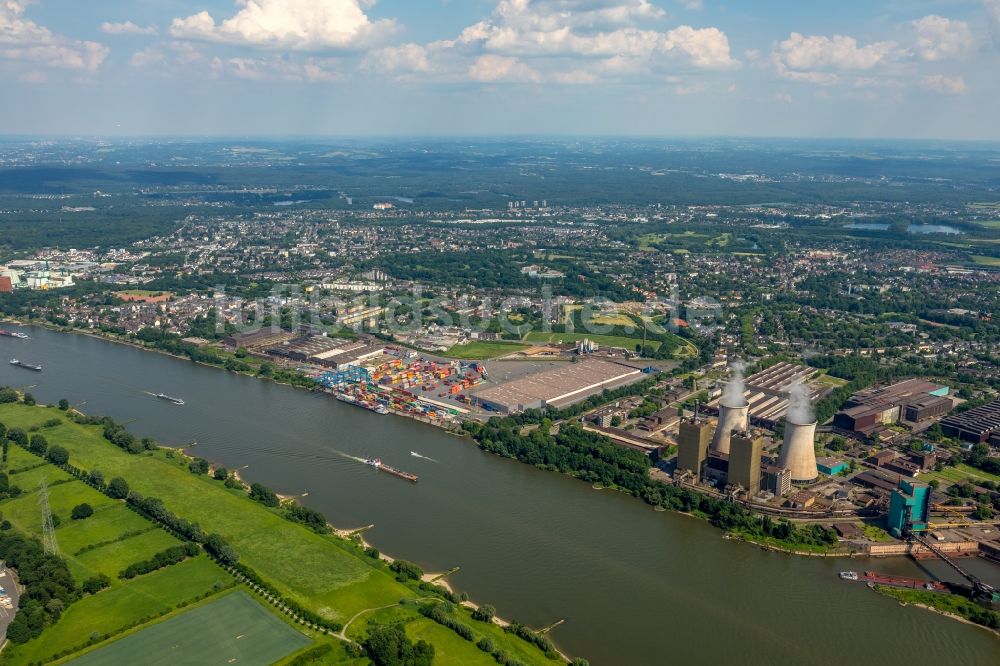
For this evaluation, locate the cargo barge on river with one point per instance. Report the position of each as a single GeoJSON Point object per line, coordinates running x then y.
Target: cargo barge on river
{"type": "Point", "coordinates": [26, 366]}
{"type": "Point", "coordinates": [875, 578]}
{"type": "Point", "coordinates": [370, 405]}
{"type": "Point", "coordinates": [382, 467]}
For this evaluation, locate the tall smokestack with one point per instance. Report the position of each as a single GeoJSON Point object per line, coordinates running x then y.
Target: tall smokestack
{"type": "Point", "coordinates": [734, 410]}
{"type": "Point", "coordinates": [798, 452]}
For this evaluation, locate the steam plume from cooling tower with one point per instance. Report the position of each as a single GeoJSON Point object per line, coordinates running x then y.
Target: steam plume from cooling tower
{"type": "Point", "coordinates": [732, 395]}
{"type": "Point", "coordinates": [800, 409]}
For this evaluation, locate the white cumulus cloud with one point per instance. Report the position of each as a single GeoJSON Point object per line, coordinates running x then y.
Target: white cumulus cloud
{"type": "Point", "coordinates": [308, 25]}
{"type": "Point", "coordinates": [946, 85]}
{"type": "Point", "coordinates": [399, 59]}
{"type": "Point", "coordinates": [939, 38]}
{"type": "Point", "coordinates": [570, 42]}
{"type": "Point", "coordinates": [127, 28]}
{"type": "Point", "coordinates": [593, 29]}
{"type": "Point", "coordinates": [23, 39]}
{"type": "Point", "coordinates": [492, 68]}
{"type": "Point", "coordinates": [817, 52]}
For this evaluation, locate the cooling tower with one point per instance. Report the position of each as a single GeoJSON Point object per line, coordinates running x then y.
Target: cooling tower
{"type": "Point", "coordinates": [798, 453]}
{"type": "Point", "coordinates": [730, 419]}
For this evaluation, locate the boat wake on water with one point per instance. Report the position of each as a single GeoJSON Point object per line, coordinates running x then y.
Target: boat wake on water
{"type": "Point", "coordinates": [349, 456]}
{"type": "Point", "coordinates": [422, 457]}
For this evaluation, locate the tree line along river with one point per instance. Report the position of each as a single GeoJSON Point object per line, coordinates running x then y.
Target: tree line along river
{"type": "Point", "coordinates": [635, 586]}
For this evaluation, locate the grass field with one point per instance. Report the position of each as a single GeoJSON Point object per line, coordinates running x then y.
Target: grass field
{"type": "Point", "coordinates": [450, 648]}
{"type": "Point", "coordinates": [25, 512]}
{"type": "Point", "coordinates": [876, 533]}
{"type": "Point", "coordinates": [986, 261]}
{"type": "Point", "coordinates": [232, 630]}
{"type": "Point", "coordinates": [960, 474]}
{"type": "Point", "coordinates": [946, 603]}
{"type": "Point", "coordinates": [110, 523]}
{"type": "Point", "coordinates": [482, 351]}
{"type": "Point", "coordinates": [107, 524]}
{"type": "Point", "coordinates": [112, 610]}
{"type": "Point", "coordinates": [27, 480]}
{"type": "Point", "coordinates": [114, 557]}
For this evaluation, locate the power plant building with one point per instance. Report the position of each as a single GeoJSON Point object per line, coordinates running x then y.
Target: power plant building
{"type": "Point", "coordinates": [716, 468]}
{"type": "Point", "coordinates": [744, 461]}
{"type": "Point", "coordinates": [777, 480]}
{"type": "Point", "coordinates": [731, 418]}
{"type": "Point", "coordinates": [692, 446]}
{"type": "Point", "coordinates": [798, 451]}
{"type": "Point", "coordinates": [909, 507]}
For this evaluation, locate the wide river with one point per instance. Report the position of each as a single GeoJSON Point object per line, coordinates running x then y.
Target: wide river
{"type": "Point", "coordinates": [635, 586]}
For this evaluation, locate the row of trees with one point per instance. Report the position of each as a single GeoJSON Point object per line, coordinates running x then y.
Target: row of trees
{"type": "Point", "coordinates": [595, 458]}
{"type": "Point", "coordinates": [162, 559]}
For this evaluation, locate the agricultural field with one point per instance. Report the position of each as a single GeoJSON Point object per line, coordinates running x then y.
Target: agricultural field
{"type": "Point", "coordinates": [324, 573]}
{"type": "Point", "coordinates": [233, 629]}
{"type": "Point", "coordinates": [26, 470]}
{"type": "Point", "coordinates": [107, 542]}
{"type": "Point", "coordinates": [483, 351]}
{"type": "Point", "coordinates": [121, 607]}
{"type": "Point", "coordinates": [986, 261]}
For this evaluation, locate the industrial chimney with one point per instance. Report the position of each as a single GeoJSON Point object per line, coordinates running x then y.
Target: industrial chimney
{"type": "Point", "coordinates": [798, 453]}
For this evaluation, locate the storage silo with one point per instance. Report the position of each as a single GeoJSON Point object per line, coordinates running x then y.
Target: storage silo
{"type": "Point", "coordinates": [798, 452]}
{"type": "Point", "coordinates": [730, 418]}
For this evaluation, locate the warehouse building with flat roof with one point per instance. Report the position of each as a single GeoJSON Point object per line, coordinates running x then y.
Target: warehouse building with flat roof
{"type": "Point", "coordinates": [977, 425]}
{"type": "Point", "coordinates": [558, 387]}
{"type": "Point", "coordinates": [910, 400]}
{"type": "Point", "coordinates": [327, 352]}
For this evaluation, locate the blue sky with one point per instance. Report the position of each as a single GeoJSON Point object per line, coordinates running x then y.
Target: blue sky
{"type": "Point", "coordinates": [847, 68]}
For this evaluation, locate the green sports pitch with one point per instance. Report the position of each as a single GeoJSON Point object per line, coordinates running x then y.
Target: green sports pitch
{"type": "Point", "coordinates": [233, 630]}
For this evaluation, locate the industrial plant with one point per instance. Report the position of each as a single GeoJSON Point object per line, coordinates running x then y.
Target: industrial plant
{"type": "Point", "coordinates": [730, 453]}
{"type": "Point", "coordinates": [798, 450]}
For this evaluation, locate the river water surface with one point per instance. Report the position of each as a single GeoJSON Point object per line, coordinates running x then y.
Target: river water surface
{"type": "Point", "coordinates": [635, 586]}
